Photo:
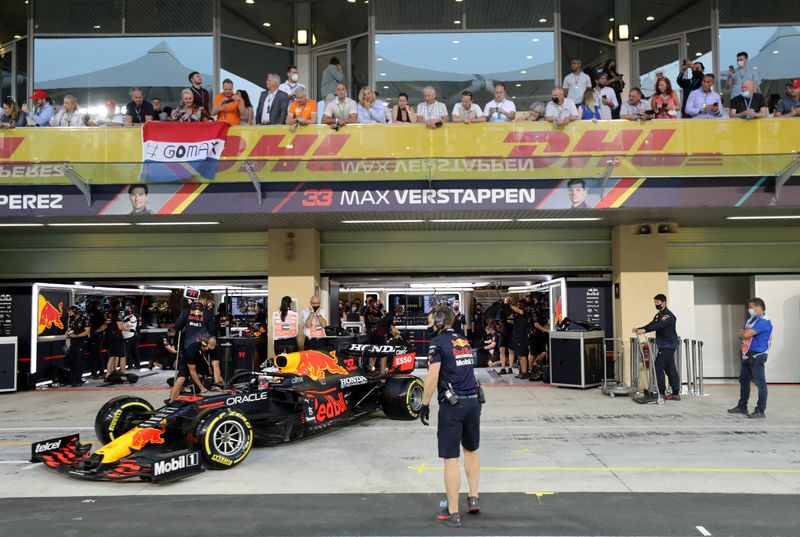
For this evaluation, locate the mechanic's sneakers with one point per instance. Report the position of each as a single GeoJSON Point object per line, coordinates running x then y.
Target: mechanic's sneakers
{"type": "Point", "coordinates": [757, 415]}
{"type": "Point", "coordinates": [473, 505]}
{"type": "Point", "coordinates": [737, 410]}
{"type": "Point", "coordinates": [452, 521]}
{"type": "Point", "coordinates": [672, 397]}
{"type": "Point", "coordinates": [502, 371]}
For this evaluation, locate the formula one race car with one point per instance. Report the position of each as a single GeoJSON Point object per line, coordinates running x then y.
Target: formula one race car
{"type": "Point", "coordinates": [308, 392]}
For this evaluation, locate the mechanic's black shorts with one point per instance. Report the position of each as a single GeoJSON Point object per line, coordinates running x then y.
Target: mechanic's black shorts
{"type": "Point", "coordinates": [116, 347]}
{"type": "Point", "coordinates": [506, 340]}
{"type": "Point", "coordinates": [459, 425]}
{"type": "Point", "coordinates": [521, 347]}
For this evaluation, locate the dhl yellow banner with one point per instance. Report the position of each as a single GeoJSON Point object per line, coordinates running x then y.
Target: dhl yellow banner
{"type": "Point", "coordinates": [660, 148]}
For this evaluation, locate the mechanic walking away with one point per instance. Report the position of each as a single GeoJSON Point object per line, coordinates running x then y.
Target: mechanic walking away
{"type": "Point", "coordinates": [116, 344]}
{"type": "Point", "coordinates": [284, 328]}
{"type": "Point", "coordinates": [97, 338]}
{"type": "Point", "coordinates": [451, 364]}
{"type": "Point", "coordinates": [198, 362]}
{"type": "Point", "coordinates": [667, 341]}
{"type": "Point", "coordinates": [756, 336]}
{"type": "Point", "coordinates": [314, 324]}
{"type": "Point", "coordinates": [78, 334]}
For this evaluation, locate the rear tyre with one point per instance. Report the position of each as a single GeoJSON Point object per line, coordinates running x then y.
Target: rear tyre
{"type": "Point", "coordinates": [224, 438]}
{"type": "Point", "coordinates": [402, 397]}
{"type": "Point", "coordinates": [120, 415]}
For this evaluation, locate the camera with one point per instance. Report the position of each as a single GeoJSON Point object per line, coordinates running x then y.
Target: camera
{"type": "Point", "coordinates": [450, 395]}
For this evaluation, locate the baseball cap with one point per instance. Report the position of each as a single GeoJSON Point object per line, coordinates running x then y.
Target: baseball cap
{"type": "Point", "coordinates": [111, 104]}
{"type": "Point", "coordinates": [796, 82]}
{"type": "Point", "coordinates": [39, 94]}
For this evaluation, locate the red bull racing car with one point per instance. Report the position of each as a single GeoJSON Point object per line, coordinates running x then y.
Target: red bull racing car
{"type": "Point", "coordinates": [308, 392]}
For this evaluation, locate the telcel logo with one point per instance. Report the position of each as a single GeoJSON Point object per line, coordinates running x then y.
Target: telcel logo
{"type": "Point", "coordinates": [176, 463]}
{"type": "Point", "coordinates": [48, 446]}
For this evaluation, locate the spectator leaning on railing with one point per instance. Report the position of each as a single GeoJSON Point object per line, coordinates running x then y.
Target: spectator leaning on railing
{"type": "Point", "coordinates": [636, 107]}
{"type": "Point", "coordinates": [748, 104]}
{"type": "Point", "coordinates": [69, 115]}
{"type": "Point", "coordinates": [371, 110]}
{"type": "Point", "coordinates": [138, 110]}
{"type": "Point", "coordinates": [431, 112]}
{"type": "Point", "coordinates": [189, 111]}
{"type": "Point", "coordinates": [560, 110]}
{"type": "Point", "coordinates": [466, 111]}
{"type": "Point", "coordinates": [500, 109]}
{"type": "Point", "coordinates": [403, 112]}
{"type": "Point", "coordinates": [11, 116]}
{"type": "Point", "coordinates": [704, 102]}
{"type": "Point", "coordinates": [109, 119]}
{"type": "Point", "coordinates": [341, 111]}
{"type": "Point", "coordinates": [789, 106]}
{"type": "Point", "coordinates": [665, 101]}
{"type": "Point", "coordinates": [42, 111]}
{"type": "Point", "coordinates": [302, 111]}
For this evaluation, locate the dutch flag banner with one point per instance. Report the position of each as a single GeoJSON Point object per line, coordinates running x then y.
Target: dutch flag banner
{"type": "Point", "coordinates": [182, 151]}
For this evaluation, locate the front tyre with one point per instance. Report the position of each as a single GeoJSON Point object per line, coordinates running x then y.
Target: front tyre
{"type": "Point", "coordinates": [120, 415]}
{"type": "Point", "coordinates": [224, 438]}
{"type": "Point", "coordinates": [402, 397]}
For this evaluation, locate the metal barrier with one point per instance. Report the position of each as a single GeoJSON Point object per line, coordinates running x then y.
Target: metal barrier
{"type": "Point", "coordinates": [688, 361]}
{"type": "Point", "coordinates": [616, 386]}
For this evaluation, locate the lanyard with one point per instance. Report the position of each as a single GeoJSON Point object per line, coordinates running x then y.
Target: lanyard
{"type": "Point", "coordinates": [340, 106]}
{"type": "Point", "coordinates": [138, 112]}
{"type": "Point", "coordinates": [747, 103]}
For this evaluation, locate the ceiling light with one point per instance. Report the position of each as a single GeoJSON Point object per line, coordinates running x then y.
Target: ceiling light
{"type": "Point", "coordinates": [518, 85]}
{"type": "Point", "coordinates": [21, 225]}
{"type": "Point", "coordinates": [776, 51]}
{"type": "Point", "coordinates": [698, 54]}
{"type": "Point", "coordinates": [383, 74]}
{"type": "Point", "coordinates": [351, 1]}
{"type": "Point", "coordinates": [377, 42]}
{"type": "Point", "coordinates": [455, 59]}
{"type": "Point", "coordinates": [172, 223]}
{"type": "Point", "coordinates": [86, 224]}
{"type": "Point", "coordinates": [278, 44]}
{"type": "Point", "coordinates": [302, 37]}
{"type": "Point", "coordinates": [456, 22]}
{"type": "Point", "coordinates": [96, 26]}
{"type": "Point", "coordinates": [249, 1]}
{"type": "Point", "coordinates": [456, 41]}
{"type": "Point", "coordinates": [382, 221]}
{"type": "Point", "coordinates": [379, 59]}
{"type": "Point", "coordinates": [611, 19]}
{"type": "Point", "coordinates": [458, 220]}
{"type": "Point", "coordinates": [774, 217]}
{"type": "Point", "coordinates": [267, 24]}
{"type": "Point", "coordinates": [636, 38]}
{"type": "Point", "coordinates": [523, 72]}
{"type": "Point", "coordinates": [594, 219]}
{"type": "Point", "coordinates": [17, 37]}
{"type": "Point", "coordinates": [542, 20]}
{"type": "Point", "coordinates": [650, 18]}
{"type": "Point", "coordinates": [535, 40]}
{"type": "Point", "coordinates": [529, 57]}
{"type": "Point", "coordinates": [386, 87]}
{"type": "Point", "coordinates": [623, 32]}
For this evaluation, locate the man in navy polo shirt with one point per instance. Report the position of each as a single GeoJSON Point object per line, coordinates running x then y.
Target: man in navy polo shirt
{"type": "Point", "coordinates": [756, 336]}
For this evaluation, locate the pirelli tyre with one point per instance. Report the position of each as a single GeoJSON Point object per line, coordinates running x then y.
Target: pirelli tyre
{"type": "Point", "coordinates": [224, 438]}
{"type": "Point", "coordinates": [402, 397]}
{"type": "Point", "coordinates": [120, 415]}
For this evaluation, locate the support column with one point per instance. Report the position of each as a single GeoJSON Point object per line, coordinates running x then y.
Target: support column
{"type": "Point", "coordinates": [294, 261]}
{"type": "Point", "coordinates": [639, 266]}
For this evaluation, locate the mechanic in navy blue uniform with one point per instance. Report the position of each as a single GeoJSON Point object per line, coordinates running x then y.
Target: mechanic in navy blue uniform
{"type": "Point", "coordinates": [520, 338]}
{"type": "Point", "coordinates": [199, 361]}
{"type": "Point", "coordinates": [451, 364]}
{"type": "Point", "coordinates": [78, 334]}
{"type": "Point", "coordinates": [459, 322]}
{"type": "Point", "coordinates": [197, 323]}
{"type": "Point", "coordinates": [756, 335]}
{"type": "Point", "coordinates": [663, 324]}
{"type": "Point", "coordinates": [506, 317]}
{"type": "Point", "coordinates": [97, 338]}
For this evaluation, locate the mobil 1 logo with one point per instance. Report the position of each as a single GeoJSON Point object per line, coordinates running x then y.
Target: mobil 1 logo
{"type": "Point", "coordinates": [177, 465]}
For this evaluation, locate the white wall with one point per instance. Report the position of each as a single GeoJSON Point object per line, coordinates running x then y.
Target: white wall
{"type": "Point", "coordinates": [680, 300]}
{"type": "Point", "coordinates": [782, 297]}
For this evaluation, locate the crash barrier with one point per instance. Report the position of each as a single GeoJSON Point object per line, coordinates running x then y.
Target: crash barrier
{"type": "Point", "coordinates": [688, 361]}
{"type": "Point", "coordinates": [614, 350]}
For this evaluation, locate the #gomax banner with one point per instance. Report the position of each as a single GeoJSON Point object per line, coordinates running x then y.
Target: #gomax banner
{"type": "Point", "coordinates": [182, 151]}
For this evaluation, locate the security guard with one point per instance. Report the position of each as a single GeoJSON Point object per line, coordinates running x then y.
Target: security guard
{"type": "Point", "coordinates": [667, 341]}
{"type": "Point", "coordinates": [78, 334]}
{"type": "Point", "coordinates": [451, 364]}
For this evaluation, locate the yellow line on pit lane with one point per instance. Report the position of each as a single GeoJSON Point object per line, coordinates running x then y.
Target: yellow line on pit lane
{"type": "Point", "coordinates": [422, 468]}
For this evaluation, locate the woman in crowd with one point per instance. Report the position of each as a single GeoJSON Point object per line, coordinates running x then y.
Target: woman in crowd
{"type": "Point", "coordinates": [247, 117]}
{"type": "Point", "coordinates": [68, 116]}
{"type": "Point", "coordinates": [11, 115]}
{"type": "Point", "coordinates": [588, 108]}
{"type": "Point", "coordinates": [188, 111]}
{"type": "Point", "coordinates": [614, 80]}
{"type": "Point", "coordinates": [665, 102]}
{"type": "Point", "coordinates": [370, 110]}
{"type": "Point", "coordinates": [285, 323]}
{"type": "Point", "coordinates": [402, 112]}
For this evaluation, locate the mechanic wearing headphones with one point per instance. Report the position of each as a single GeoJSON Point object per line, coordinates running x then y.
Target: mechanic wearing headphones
{"type": "Point", "coordinates": [451, 364]}
{"type": "Point", "coordinates": [198, 361]}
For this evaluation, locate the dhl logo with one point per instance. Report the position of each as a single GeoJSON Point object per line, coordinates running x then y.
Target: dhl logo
{"type": "Point", "coordinates": [49, 315]}
{"type": "Point", "coordinates": [9, 145]}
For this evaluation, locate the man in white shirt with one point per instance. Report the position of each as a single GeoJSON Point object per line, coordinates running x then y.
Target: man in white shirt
{"type": "Point", "coordinates": [292, 77]}
{"type": "Point", "coordinates": [466, 111]}
{"type": "Point", "coordinates": [273, 104]}
{"type": "Point", "coordinates": [560, 110]}
{"type": "Point", "coordinates": [635, 108]}
{"type": "Point", "coordinates": [314, 323]}
{"type": "Point", "coordinates": [341, 111]}
{"type": "Point", "coordinates": [501, 109]}
{"type": "Point", "coordinates": [108, 119]}
{"type": "Point", "coordinates": [605, 96]}
{"type": "Point", "coordinates": [431, 112]}
{"type": "Point", "coordinates": [576, 82]}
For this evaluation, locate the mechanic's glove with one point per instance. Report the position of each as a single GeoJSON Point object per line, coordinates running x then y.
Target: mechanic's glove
{"type": "Point", "coordinates": [424, 414]}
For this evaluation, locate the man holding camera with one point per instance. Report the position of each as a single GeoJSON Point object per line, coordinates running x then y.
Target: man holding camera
{"type": "Point", "coordinates": [228, 106]}
{"type": "Point", "coordinates": [451, 365]}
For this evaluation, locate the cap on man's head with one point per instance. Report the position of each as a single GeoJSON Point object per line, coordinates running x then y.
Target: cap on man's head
{"type": "Point", "coordinates": [796, 83]}
{"type": "Point", "coordinates": [39, 94]}
{"type": "Point", "coordinates": [111, 104]}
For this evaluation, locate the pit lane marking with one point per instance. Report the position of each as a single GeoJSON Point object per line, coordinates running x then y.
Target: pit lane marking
{"type": "Point", "coordinates": [703, 531]}
{"type": "Point", "coordinates": [423, 467]}
{"type": "Point", "coordinates": [17, 429]}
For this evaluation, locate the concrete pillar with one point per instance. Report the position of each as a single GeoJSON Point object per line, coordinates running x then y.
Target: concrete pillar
{"type": "Point", "coordinates": [639, 267]}
{"type": "Point", "coordinates": [294, 261]}
{"type": "Point", "coordinates": [302, 53]}
{"type": "Point", "coordinates": [622, 15]}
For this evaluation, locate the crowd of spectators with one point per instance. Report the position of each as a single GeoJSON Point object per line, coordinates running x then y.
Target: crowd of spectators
{"type": "Point", "coordinates": [584, 95]}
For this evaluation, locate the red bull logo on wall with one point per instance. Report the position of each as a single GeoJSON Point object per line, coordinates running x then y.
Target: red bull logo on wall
{"type": "Point", "coordinates": [50, 315]}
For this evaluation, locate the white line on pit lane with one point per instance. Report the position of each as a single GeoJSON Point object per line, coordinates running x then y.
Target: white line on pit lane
{"type": "Point", "coordinates": [17, 429]}
{"type": "Point", "coordinates": [15, 462]}
{"type": "Point", "coordinates": [604, 427]}
{"type": "Point", "coordinates": [703, 531]}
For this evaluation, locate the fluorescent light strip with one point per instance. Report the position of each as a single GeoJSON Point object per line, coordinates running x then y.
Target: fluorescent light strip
{"type": "Point", "coordinates": [558, 219]}
{"type": "Point", "coordinates": [89, 224]}
{"type": "Point", "coordinates": [382, 221]}
{"type": "Point", "coordinates": [775, 217]}
{"type": "Point", "coordinates": [478, 220]}
{"type": "Point", "coordinates": [177, 223]}
{"type": "Point", "coordinates": [21, 225]}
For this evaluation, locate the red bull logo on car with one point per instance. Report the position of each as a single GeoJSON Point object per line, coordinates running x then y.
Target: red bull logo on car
{"type": "Point", "coordinates": [142, 437]}
{"type": "Point", "coordinates": [49, 315]}
{"type": "Point", "coordinates": [314, 364]}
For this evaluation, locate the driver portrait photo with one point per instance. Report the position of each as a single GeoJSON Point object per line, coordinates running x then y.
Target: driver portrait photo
{"type": "Point", "coordinates": [576, 192]}
{"type": "Point", "coordinates": [138, 197]}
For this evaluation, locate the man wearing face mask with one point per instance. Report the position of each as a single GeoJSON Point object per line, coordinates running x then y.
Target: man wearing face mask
{"type": "Point", "coordinates": [756, 337]}
{"type": "Point", "coordinates": [663, 324]}
{"type": "Point", "coordinates": [288, 87]}
{"type": "Point", "coordinates": [736, 77]}
{"type": "Point", "coordinates": [561, 110]}
{"type": "Point", "coordinates": [693, 82]}
{"type": "Point", "coordinates": [459, 322]}
{"type": "Point", "coordinates": [314, 324]}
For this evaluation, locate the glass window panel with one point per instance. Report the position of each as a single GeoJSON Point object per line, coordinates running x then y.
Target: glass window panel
{"type": "Point", "coordinates": [247, 20]}
{"type": "Point", "coordinates": [754, 12]}
{"type": "Point", "coordinates": [593, 55]}
{"type": "Point", "coordinates": [773, 52]}
{"type": "Point", "coordinates": [333, 21]}
{"type": "Point", "coordinates": [669, 17]}
{"type": "Point", "coordinates": [14, 20]}
{"type": "Point", "coordinates": [588, 18]}
{"type": "Point", "coordinates": [655, 60]}
{"type": "Point", "coordinates": [168, 16]}
{"type": "Point", "coordinates": [77, 16]}
{"type": "Point", "coordinates": [22, 69]}
{"type": "Point", "coordinates": [418, 15]}
{"type": "Point", "coordinates": [6, 62]}
{"type": "Point", "coordinates": [454, 62]}
{"type": "Point", "coordinates": [494, 15]}
{"type": "Point", "coordinates": [359, 70]}
{"type": "Point", "coordinates": [159, 65]}
{"type": "Point", "coordinates": [251, 76]}
{"type": "Point", "coordinates": [321, 62]}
